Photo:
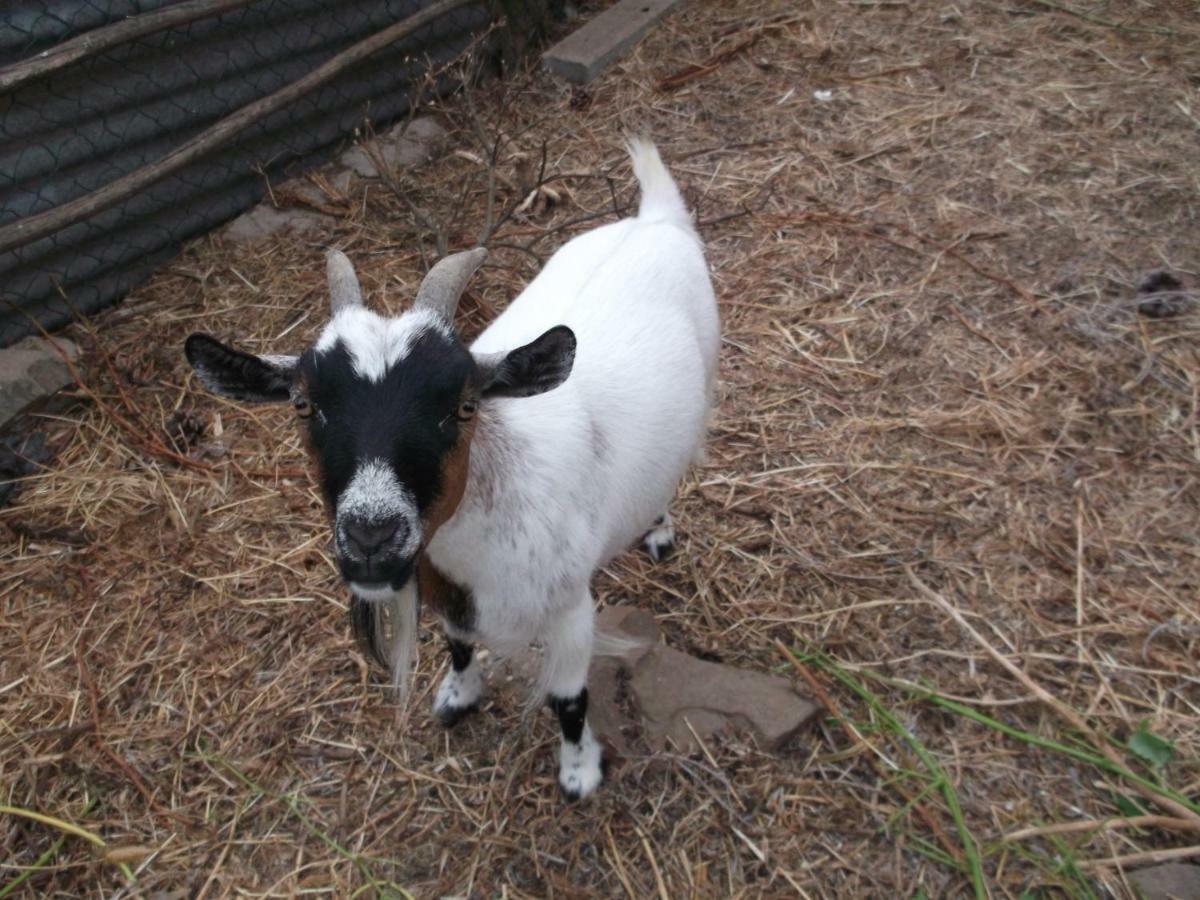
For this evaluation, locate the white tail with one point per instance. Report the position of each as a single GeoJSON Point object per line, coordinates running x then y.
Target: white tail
{"type": "Point", "coordinates": [661, 200]}
{"type": "Point", "coordinates": [624, 648]}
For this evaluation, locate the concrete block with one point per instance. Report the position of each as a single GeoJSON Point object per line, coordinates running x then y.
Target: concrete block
{"type": "Point", "coordinates": [31, 371]}
{"type": "Point", "coordinates": [582, 55]}
{"type": "Point", "coordinates": [264, 220]}
{"type": "Point", "coordinates": [404, 146]}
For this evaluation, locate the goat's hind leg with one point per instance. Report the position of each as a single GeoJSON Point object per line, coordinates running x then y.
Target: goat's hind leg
{"type": "Point", "coordinates": [660, 539]}
{"type": "Point", "coordinates": [568, 646]}
{"type": "Point", "coordinates": [458, 694]}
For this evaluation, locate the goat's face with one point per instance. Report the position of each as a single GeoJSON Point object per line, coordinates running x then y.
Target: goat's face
{"type": "Point", "coordinates": [389, 409]}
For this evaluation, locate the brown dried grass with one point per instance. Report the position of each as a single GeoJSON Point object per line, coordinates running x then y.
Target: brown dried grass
{"type": "Point", "coordinates": [932, 369]}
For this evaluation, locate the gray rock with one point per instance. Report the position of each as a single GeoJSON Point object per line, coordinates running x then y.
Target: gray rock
{"type": "Point", "coordinates": [341, 181]}
{"type": "Point", "coordinates": [648, 698]}
{"type": "Point", "coordinates": [674, 690]}
{"type": "Point", "coordinates": [31, 371]}
{"type": "Point", "coordinates": [1170, 881]}
{"type": "Point", "coordinates": [265, 220]}
{"type": "Point", "coordinates": [404, 146]}
{"type": "Point", "coordinates": [677, 694]}
{"type": "Point", "coordinates": [610, 722]}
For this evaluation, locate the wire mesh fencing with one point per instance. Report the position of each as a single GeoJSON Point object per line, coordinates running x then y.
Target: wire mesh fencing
{"type": "Point", "coordinates": [130, 126]}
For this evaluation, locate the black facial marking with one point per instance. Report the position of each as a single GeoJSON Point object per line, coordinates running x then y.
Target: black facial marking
{"type": "Point", "coordinates": [407, 419]}
{"type": "Point", "coordinates": [237, 375]}
{"type": "Point", "coordinates": [572, 713]}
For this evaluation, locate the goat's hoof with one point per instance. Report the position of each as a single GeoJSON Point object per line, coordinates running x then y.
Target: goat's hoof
{"type": "Point", "coordinates": [575, 786]}
{"type": "Point", "coordinates": [581, 770]}
{"type": "Point", "coordinates": [458, 695]}
{"type": "Point", "coordinates": [660, 542]}
{"type": "Point", "coordinates": [450, 716]}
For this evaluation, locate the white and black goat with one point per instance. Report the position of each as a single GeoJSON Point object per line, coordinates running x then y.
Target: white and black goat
{"type": "Point", "coordinates": [491, 482]}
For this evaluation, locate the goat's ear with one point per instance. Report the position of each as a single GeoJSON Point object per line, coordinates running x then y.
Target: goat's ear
{"type": "Point", "coordinates": [237, 375]}
{"type": "Point", "coordinates": [537, 367]}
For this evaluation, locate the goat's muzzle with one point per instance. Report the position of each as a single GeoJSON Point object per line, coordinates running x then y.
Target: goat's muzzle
{"type": "Point", "coordinates": [374, 556]}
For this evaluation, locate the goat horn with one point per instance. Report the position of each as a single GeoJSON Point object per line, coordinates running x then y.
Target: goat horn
{"type": "Point", "coordinates": [344, 291]}
{"type": "Point", "coordinates": [447, 280]}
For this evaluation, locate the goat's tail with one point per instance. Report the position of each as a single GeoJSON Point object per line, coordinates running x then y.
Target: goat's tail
{"type": "Point", "coordinates": [626, 648]}
{"type": "Point", "coordinates": [661, 200]}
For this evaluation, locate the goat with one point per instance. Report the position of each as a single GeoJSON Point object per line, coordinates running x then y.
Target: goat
{"type": "Point", "coordinates": [490, 483]}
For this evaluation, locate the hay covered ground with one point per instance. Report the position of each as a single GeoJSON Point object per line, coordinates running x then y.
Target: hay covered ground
{"type": "Point", "coordinates": [945, 435]}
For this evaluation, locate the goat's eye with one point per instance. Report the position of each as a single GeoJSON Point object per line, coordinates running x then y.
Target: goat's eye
{"type": "Point", "coordinates": [466, 409]}
{"type": "Point", "coordinates": [302, 406]}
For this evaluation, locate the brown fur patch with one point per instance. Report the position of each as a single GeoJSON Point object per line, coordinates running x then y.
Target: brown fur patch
{"type": "Point", "coordinates": [447, 599]}
{"type": "Point", "coordinates": [444, 597]}
{"type": "Point", "coordinates": [456, 469]}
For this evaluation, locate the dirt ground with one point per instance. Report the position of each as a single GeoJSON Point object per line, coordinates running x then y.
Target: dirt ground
{"type": "Point", "coordinates": [952, 490]}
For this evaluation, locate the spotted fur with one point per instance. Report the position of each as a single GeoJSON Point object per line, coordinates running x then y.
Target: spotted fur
{"type": "Point", "coordinates": [513, 470]}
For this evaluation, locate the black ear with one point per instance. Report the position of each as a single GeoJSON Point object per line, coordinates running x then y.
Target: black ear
{"type": "Point", "coordinates": [237, 375]}
{"type": "Point", "coordinates": [533, 369]}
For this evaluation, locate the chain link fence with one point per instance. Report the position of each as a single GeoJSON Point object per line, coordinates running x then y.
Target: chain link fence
{"type": "Point", "coordinates": [157, 78]}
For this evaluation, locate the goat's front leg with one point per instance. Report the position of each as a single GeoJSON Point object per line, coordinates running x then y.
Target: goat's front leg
{"type": "Point", "coordinates": [458, 694]}
{"type": "Point", "coordinates": [568, 646]}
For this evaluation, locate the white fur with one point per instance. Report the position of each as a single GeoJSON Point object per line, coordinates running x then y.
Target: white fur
{"type": "Point", "coordinates": [459, 690]}
{"type": "Point", "coordinates": [376, 343]}
{"type": "Point", "coordinates": [375, 494]}
{"type": "Point", "coordinates": [403, 607]}
{"type": "Point", "coordinates": [579, 765]}
{"type": "Point", "coordinates": [372, 593]}
{"type": "Point", "coordinates": [283, 363]}
{"type": "Point", "coordinates": [561, 482]}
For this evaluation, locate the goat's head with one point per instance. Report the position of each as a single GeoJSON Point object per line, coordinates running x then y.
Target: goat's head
{"type": "Point", "coordinates": [389, 406]}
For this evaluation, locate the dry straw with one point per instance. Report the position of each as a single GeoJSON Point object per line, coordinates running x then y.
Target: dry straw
{"type": "Point", "coordinates": [925, 222]}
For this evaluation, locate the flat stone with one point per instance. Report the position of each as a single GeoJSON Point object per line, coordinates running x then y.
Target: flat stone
{"type": "Point", "coordinates": [608, 719]}
{"type": "Point", "coordinates": [1170, 881]}
{"type": "Point", "coordinates": [671, 691]}
{"type": "Point", "coordinates": [406, 145]}
{"type": "Point", "coordinates": [265, 220]}
{"type": "Point", "coordinates": [341, 181]}
{"type": "Point", "coordinates": [653, 695]}
{"type": "Point", "coordinates": [31, 371]}
{"type": "Point", "coordinates": [582, 55]}
{"type": "Point", "coordinates": [674, 690]}
{"type": "Point", "coordinates": [614, 722]}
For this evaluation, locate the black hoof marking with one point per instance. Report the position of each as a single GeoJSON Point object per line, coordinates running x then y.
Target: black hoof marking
{"type": "Point", "coordinates": [660, 551]}
{"type": "Point", "coordinates": [451, 715]}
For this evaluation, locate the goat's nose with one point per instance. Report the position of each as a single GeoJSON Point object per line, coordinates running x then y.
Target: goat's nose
{"type": "Point", "coordinates": [369, 538]}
